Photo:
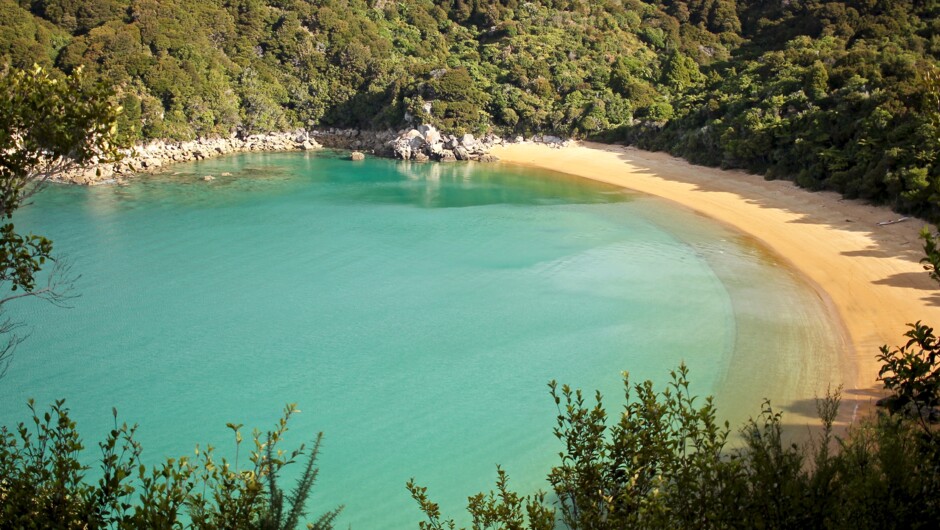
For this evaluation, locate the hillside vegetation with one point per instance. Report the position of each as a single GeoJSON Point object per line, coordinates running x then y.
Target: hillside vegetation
{"type": "Point", "coordinates": [836, 95]}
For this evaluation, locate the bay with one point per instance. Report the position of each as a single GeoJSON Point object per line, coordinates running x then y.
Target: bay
{"type": "Point", "coordinates": [414, 312]}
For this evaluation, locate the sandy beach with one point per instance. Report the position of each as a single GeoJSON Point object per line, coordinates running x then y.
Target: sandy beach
{"type": "Point", "coordinates": [868, 274]}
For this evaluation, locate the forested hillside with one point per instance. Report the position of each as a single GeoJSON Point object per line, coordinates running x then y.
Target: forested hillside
{"type": "Point", "coordinates": [838, 95]}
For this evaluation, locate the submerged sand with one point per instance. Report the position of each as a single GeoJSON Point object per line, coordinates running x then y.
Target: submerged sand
{"type": "Point", "coordinates": [867, 273]}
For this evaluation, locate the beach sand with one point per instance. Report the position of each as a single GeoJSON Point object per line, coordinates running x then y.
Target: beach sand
{"type": "Point", "coordinates": [867, 274]}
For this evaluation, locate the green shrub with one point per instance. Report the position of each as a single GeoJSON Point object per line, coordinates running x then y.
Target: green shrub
{"type": "Point", "coordinates": [43, 483]}
{"type": "Point", "coordinates": [665, 462]}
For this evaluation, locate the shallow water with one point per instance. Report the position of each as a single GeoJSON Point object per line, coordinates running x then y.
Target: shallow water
{"type": "Point", "coordinates": [415, 312]}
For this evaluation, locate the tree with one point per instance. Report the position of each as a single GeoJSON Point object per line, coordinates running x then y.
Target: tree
{"type": "Point", "coordinates": [47, 125]}
{"type": "Point", "coordinates": [912, 371]}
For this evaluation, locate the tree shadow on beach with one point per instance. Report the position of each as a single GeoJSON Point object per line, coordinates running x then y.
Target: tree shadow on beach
{"type": "Point", "coordinates": [856, 403]}
{"type": "Point", "coordinates": [894, 240]}
{"type": "Point", "coordinates": [913, 253]}
{"type": "Point", "coordinates": [933, 299]}
{"type": "Point", "coordinates": [908, 280]}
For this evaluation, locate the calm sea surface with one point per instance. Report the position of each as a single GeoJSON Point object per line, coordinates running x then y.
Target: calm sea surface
{"type": "Point", "coordinates": [414, 313]}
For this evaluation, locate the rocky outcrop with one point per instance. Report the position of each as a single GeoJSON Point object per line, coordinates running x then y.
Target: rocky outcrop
{"type": "Point", "coordinates": [155, 155]}
{"type": "Point", "coordinates": [427, 143]}
{"type": "Point", "coordinates": [420, 144]}
{"type": "Point", "coordinates": [551, 141]}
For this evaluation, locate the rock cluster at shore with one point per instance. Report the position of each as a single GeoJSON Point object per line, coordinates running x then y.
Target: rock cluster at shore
{"type": "Point", "coordinates": [427, 143]}
{"type": "Point", "coordinates": [153, 156]}
{"type": "Point", "coordinates": [423, 143]}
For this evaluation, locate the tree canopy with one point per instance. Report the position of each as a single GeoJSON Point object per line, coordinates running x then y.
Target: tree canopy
{"type": "Point", "coordinates": [836, 95]}
{"type": "Point", "coordinates": [47, 124]}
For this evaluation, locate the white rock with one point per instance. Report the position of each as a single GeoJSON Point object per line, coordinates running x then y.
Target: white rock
{"type": "Point", "coordinates": [432, 136]}
{"type": "Point", "coordinates": [468, 140]}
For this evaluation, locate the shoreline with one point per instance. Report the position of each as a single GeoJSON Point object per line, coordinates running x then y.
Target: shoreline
{"type": "Point", "coordinates": [422, 144]}
{"type": "Point", "coordinates": [867, 275]}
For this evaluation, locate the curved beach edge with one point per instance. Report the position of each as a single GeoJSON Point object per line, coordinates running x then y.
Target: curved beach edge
{"type": "Point", "coordinates": [862, 262]}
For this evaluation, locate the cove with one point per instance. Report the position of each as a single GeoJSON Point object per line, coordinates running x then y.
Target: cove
{"type": "Point", "coordinates": [415, 312]}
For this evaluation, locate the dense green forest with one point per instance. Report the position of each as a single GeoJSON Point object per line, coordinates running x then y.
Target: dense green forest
{"type": "Point", "coordinates": [854, 94]}
{"type": "Point", "coordinates": [836, 95]}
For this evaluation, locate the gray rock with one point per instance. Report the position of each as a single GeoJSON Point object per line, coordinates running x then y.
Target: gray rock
{"type": "Point", "coordinates": [461, 153]}
{"type": "Point", "coordinates": [468, 140]}
{"type": "Point", "coordinates": [448, 156]}
{"type": "Point", "coordinates": [417, 143]}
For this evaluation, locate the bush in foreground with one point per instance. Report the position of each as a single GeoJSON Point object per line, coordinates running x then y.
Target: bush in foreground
{"type": "Point", "coordinates": [43, 483]}
{"type": "Point", "coordinates": [664, 462]}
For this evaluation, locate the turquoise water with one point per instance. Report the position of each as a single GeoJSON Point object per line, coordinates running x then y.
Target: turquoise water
{"type": "Point", "coordinates": [414, 312]}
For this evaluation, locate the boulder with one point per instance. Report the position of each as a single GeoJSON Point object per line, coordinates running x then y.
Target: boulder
{"type": "Point", "coordinates": [208, 178]}
{"type": "Point", "coordinates": [417, 143]}
{"type": "Point", "coordinates": [421, 157]}
{"type": "Point", "coordinates": [448, 156]}
{"type": "Point", "coordinates": [461, 153]}
{"type": "Point", "coordinates": [468, 140]}
{"type": "Point", "coordinates": [357, 155]}
{"type": "Point", "coordinates": [432, 137]}
{"type": "Point", "coordinates": [401, 147]}
{"type": "Point", "coordinates": [489, 158]}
